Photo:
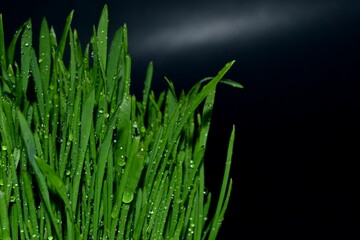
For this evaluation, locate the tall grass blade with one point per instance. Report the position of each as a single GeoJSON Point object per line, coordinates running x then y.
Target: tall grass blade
{"type": "Point", "coordinates": [45, 54]}
{"type": "Point", "coordinates": [26, 45]}
{"type": "Point", "coordinates": [2, 44]}
{"type": "Point", "coordinates": [226, 186]}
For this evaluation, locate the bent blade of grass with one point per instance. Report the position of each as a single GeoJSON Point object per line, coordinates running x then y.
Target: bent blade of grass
{"type": "Point", "coordinates": [232, 83]}
{"type": "Point", "coordinates": [206, 90]}
{"type": "Point", "coordinates": [31, 152]}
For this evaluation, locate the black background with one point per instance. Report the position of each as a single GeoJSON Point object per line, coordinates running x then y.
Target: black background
{"type": "Point", "coordinates": [296, 160]}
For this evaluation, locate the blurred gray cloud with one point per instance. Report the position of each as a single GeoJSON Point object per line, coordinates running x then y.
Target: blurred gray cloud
{"type": "Point", "coordinates": [184, 28]}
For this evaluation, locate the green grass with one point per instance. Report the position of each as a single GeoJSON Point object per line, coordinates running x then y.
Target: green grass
{"type": "Point", "coordinates": [83, 158]}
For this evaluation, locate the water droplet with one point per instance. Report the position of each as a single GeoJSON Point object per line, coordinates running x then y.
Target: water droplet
{"type": "Point", "coordinates": [26, 44]}
{"type": "Point", "coordinates": [128, 197]}
{"type": "Point", "coordinates": [3, 147]}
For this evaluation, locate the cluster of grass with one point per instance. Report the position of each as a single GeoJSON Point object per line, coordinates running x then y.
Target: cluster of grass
{"type": "Point", "coordinates": [82, 158]}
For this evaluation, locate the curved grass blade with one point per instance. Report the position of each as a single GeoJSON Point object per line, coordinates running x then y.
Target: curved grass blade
{"type": "Point", "coordinates": [232, 83]}
{"type": "Point", "coordinates": [206, 90]}
{"type": "Point", "coordinates": [61, 47]}
{"type": "Point", "coordinates": [12, 45]}
{"type": "Point", "coordinates": [226, 186]}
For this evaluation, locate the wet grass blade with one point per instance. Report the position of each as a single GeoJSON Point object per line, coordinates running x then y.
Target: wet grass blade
{"type": "Point", "coordinates": [61, 47]}
{"type": "Point", "coordinates": [26, 45]}
{"type": "Point", "coordinates": [31, 152]}
{"type": "Point", "coordinates": [232, 83]}
{"type": "Point", "coordinates": [12, 45]}
{"type": "Point", "coordinates": [102, 38]}
{"type": "Point", "coordinates": [113, 62]}
{"type": "Point", "coordinates": [2, 44]}
{"type": "Point", "coordinates": [4, 219]}
{"type": "Point", "coordinates": [31, 203]}
{"type": "Point", "coordinates": [86, 124]}
{"type": "Point", "coordinates": [39, 88]}
{"type": "Point", "coordinates": [225, 187]}
{"type": "Point", "coordinates": [147, 85]}
{"type": "Point", "coordinates": [45, 54]}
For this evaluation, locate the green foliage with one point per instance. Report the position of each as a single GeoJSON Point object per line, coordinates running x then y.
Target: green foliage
{"type": "Point", "coordinates": [83, 158]}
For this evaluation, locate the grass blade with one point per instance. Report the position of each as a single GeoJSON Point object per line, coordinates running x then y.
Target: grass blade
{"type": "Point", "coordinates": [26, 44]}
{"type": "Point", "coordinates": [2, 44]}
{"type": "Point", "coordinates": [102, 37]}
{"type": "Point", "coordinates": [61, 47]}
{"type": "Point", "coordinates": [45, 54]}
{"type": "Point", "coordinates": [12, 45]}
{"type": "Point", "coordinates": [5, 225]}
{"type": "Point", "coordinates": [86, 123]}
{"type": "Point", "coordinates": [31, 152]}
{"type": "Point", "coordinates": [38, 82]}
{"type": "Point", "coordinates": [221, 207]}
